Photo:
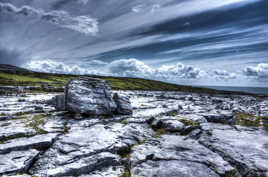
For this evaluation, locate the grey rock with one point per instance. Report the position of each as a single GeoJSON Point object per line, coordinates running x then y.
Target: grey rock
{"type": "Point", "coordinates": [113, 171]}
{"type": "Point", "coordinates": [113, 145]}
{"type": "Point", "coordinates": [60, 102]}
{"type": "Point", "coordinates": [194, 117]}
{"type": "Point", "coordinates": [123, 104]}
{"type": "Point", "coordinates": [172, 168]}
{"type": "Point", "coordinates": [18, 175]}
{"type": "Point", "coordinates": [153, 157]}
{"type": "Point", "coordinates": [245, 148]}
{"type": "Point", "coordinates": [169, 123]}
{"type": "Point", "coordinates": [84, 165]}
{"type": "Point", "coordinates": [89, 96]}
{"type": "Point", "coordinates": [14, 128]}
{"type": "Point", "coordinates": [56, 124]}
{"type": "Point", "coordinates": [225, 117]}
{"type": "Point", "coordinates": [40, 142]}
{"type": "Point", "coordinates": [88, 146]}
{"type": "Point", "coordinates": [17, 161]}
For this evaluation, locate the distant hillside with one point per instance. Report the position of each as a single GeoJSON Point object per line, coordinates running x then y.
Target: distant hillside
{"type": "Point", "coordinates": [10, 68]}
{"type": "Point", "coordinates": [15, 76]}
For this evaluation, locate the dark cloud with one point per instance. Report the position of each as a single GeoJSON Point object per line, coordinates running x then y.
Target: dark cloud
{"type": "Point", "coordinates": [11, 57]}
{"type": "Point", "coordinates": [59, 4]}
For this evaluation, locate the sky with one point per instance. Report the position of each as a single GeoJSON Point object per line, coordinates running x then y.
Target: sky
{"type": "Point", "coordinates": [191, 42]}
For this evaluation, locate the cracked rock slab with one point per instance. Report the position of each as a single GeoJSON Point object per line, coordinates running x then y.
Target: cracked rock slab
{"type": "Point", "coordinates": [82, 165]}
{"type": "Point", "coordinates": [169, 123]}
{"type": "Point", "coordinates": [172, 168]}
{"type": "Point", "coordinates": [14, 128]}
{"type": "Point", "coordinates": [177, 151]}
{"type": "Point", "coordinates": [36, 142]}
{"type": "Point", "coordinates": [17, 161]}
{"type": "Point", "coordinates": [245, 148]}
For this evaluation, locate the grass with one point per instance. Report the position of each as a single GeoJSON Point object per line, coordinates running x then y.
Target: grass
{"type": "Point", "coordinates": [159, 132]}
{"type": "Point", "coordinates": [21, 78]}
{"type": "Point", "coordinates": [248, 120]}
{"type": "Point", "coordinates": [5, 124]}
{"type": "Point", "coordinates": [127, 172]}
{"type": "Point", "coordinates": [35, 121]}
{"type": "Point", "coordinates": [187, 122]}
{"type": "Point", "coordinates": [4, 140]}
{"type": "Point", "coordinates": [122, 122]}
{"type": "Point", "coordinates": [28, 78]}
{"type": "Point", "coordinates": [173, 114]}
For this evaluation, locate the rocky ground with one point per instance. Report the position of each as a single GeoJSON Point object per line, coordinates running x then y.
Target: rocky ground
{"type": "Point", "coordinates": [169, 134]}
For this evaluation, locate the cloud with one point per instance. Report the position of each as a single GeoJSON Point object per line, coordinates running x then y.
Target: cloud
{"type": "Point", "coordinates": [122, 67]}
{"type": "Point", "coordinates": [137, 8]}
{"type": "Point", "coordinates": [9, 56]}
{"type": "Point", "coordinates": [223, 75]}
{"type": "Point", "coordinates": [51, 66]}
{"type": "Point", "coordinates": [135, 68]}
{"type": "Point", "coordinates": [260, 71]}
{"type": "Point", "coordinates": [82, 24]}
{"type": "Point", "coordinates": [130, 67]}
{"type": "Point", "coordinates": [180, 71]}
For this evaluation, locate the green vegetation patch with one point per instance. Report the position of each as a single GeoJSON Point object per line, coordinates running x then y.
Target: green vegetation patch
{"type": "Point", "coordinates": [122, 122]}
{"type": "Point", "coordinates": [5, 124]}
{"type": "Point", "coordinates": [127, 172]}
{"type": "Point", "coordinates": [248, 120]}
{"type": "Point", "coordinates": [4, 140]}
{"type": "Point", "coordinates": [7, 77]}
{"type": "Point", "coordinates": [173, 114]}
{"type": "Point", "coordinates": [159, 132]}
{"type": "Point", "coordinates": [187, 122]}
{"type": "Point", "coordinates": [35, 121]}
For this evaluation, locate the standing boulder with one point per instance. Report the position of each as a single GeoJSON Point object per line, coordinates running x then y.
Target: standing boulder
{"type": "Point", "coordinates": [123, 104]}
{"type": "Point", "coordinates": [89, 96]}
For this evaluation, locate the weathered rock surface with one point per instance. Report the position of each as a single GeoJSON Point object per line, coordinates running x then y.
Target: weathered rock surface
{"type": "Point", "coordinates": [40, 142]}
{"type": "Point", "coordinates": [168, 134]}
{"type": "Point", "coordinates": [14, 128]}
{"type": "Point", "coordinates": [60, 102]}
{"type": "Point", "coordinates": [17, 161]}
{"type": "Point", "coordinates": [168, 123]}
{"type": "Point", "coordinates": [123, 104]}
{"type": "Point", "coordinates": [89, 96]}
{"type": "Point", "coordinates": [171, 149]}
{"type": "Point", "coordinates": [245, 148]}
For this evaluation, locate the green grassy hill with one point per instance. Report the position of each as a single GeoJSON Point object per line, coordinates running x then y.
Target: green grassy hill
{"type": "Point", "coordinates": [14, 76]}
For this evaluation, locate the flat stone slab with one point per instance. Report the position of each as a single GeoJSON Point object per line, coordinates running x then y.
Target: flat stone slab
{"type": "Point", "coordinates": [14, 128]}
{"type": "Point", "coordinates": [40, 142]}
{"type": "Point", "coordinates": [245, 148]}
{"type": "Point", "coordinates": [175, 149]}
{"type": "Point", "coordinates": [17, 161]}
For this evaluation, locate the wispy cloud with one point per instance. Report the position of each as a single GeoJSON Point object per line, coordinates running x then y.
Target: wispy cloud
{"type": "Point", "coordinates": [82, 24]}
